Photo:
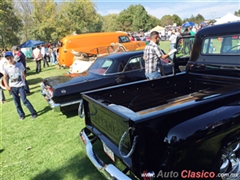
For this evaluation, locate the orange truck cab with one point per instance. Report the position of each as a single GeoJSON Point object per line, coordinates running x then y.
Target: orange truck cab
{"type": "Point", "coordinates": [90, 42]}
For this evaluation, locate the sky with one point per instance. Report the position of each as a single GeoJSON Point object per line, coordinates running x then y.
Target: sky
{"type": "Point", "coordinates": [183, 8]}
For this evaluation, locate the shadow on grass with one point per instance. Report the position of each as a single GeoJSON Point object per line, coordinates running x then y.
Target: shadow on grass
{"type": "Point", "coordinates": [1, 150]}
{"type": "Point", "coordinates": [29, 73]}
{"type": "Point", "coordinates": [45, 110]}
{"type": "Point", "coordinates": [38, 86]}
{"type": "Point", "coordinates": [34, 81]}
{"type": "Point", "coordinates": [71, 113]}
{"type": "Point", "coordinates": [78, 166]}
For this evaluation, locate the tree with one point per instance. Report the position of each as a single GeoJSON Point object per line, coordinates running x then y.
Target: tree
{"type": "Point", "coordinates": [44, 15]}
{"type": "Point", "coordinates": [176, 19]}
{"type": "Point", "coordinates": [109, 23]}
{"type": "Point", "coordinates": [133, 18]}
{"type": "Point", "coordinates": [10, 24]}
{"type": "Point", "coordinates": [23, 10]}
{"type": "Point", "coordinates": [77, 16]}
{"type": "Point", "coordinates": [199, 18]}
{"type": "Point", "coordinates": [124, 20]}
{"type": "Point", "coordinates": [167, 20]}
{"type": "Point", "coordinates": [140, 18]}
{"type": "Point", "coordinates": [237, 13]}
{"type": "Point", "coordinates": [153, 22]}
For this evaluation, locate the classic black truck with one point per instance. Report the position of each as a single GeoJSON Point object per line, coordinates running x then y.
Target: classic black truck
{"type": "Point", "coordinates": [182, 126]}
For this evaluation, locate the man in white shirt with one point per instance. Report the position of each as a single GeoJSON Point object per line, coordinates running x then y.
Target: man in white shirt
{"type": "Point", "coordinates": [43, 52]}
{"type": "Point", "coordinates": [15, 83]}
{"type": "Point", "coordinates": [173, 40]}
{"type": "Point", "coordinates": [38, 58]}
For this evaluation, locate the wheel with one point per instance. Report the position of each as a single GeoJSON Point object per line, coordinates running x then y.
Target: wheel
{"type": "Point", "coordinates": [230, 163]}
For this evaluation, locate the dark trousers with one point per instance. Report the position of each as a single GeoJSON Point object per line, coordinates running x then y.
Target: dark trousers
{"type": "Point", "coordinates": [26, 87]}
{"type": "Point", "coordinates": [45, 62]}
{"type": "Point", "coordinates": [38, 66]}
{"type": "Point", "coordinates": [16, 91]}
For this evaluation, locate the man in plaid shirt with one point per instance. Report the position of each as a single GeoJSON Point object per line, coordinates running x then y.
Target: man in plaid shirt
{"type": "Point", "coordinates": [152, 56]}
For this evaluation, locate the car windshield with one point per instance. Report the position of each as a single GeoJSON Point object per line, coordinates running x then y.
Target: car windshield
{"type": "Point", "coordinates": [101, 66]}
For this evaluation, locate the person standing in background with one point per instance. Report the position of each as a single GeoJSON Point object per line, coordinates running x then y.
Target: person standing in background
{"type": "Point", "coordinates": [37, 56]}
{"type": "Point", "coordinates": [173, 40]}
{"type": "Point", "coordinates": [20, 57]}
{"type": "Point", "coordinates": [192, 33]}
{"type": "Point", "coordinates": [43, 53]}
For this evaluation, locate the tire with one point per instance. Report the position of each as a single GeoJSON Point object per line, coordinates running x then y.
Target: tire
{"type": "Point", "coordinates": [230, 163]}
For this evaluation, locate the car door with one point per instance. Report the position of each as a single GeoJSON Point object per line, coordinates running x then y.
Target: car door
{"type": "Point", "coordinates": [133, 70]}
{"type": "Point", "coordinates": [184, 49]}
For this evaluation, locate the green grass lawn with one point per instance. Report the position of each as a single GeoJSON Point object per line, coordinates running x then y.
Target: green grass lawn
{"type": "Point", "coordinates": [47, 148]}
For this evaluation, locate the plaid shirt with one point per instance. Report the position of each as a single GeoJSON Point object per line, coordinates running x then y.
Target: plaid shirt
{"type": "Point", "coordinates": [152, 54]}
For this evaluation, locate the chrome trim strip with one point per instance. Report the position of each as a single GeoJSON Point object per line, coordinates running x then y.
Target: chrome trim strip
{"type": "Point", "coordinates": [107, 170]}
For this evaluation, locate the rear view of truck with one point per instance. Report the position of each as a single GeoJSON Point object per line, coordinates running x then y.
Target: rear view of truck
{"type": "Point", "coordinates": [186, 124]}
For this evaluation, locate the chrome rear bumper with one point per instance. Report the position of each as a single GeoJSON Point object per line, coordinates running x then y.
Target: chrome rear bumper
{"type": "Point", "coordinates": [107, 170]}
{"type": "Point", "coordinates": [55, 106]}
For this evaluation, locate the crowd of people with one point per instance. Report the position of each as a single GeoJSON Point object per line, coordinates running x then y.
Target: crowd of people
{"type": "Point", "coordinates": [13, 68]}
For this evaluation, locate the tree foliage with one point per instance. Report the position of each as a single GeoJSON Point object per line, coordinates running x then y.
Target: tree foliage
{"type": "Point", "coordinates": [176, 19]}
{"type": "Point", "coordinates": [109, 23]}
{"type": "Point", "coordinates": [153, 22]}
{"type": "Point", "coordinates": [197, 19]}
{"type": "Point", "coordinates": [167, 20]}
{"type": "Point", "coordinates": [78, 16]}
{"type": "Point", "coordinates": [237, 13]}
{"type": "Point", "coordinates": [44, 15]}
{"type": "Point", "coordinates": [10, 24]}
{"type": "Point", "coordinates": [134, 18]}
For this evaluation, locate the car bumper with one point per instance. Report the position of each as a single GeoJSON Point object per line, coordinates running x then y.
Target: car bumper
{"type": "Point", "coordinates": [56, 106]}
{"type": "Point", "coordinates": [107, 170]}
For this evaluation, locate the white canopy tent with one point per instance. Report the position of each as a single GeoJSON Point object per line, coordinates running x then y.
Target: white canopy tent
{"type": "Point", "coordinates": [157, 28]}
{"type": "Point", "coordinates": [227, 18]}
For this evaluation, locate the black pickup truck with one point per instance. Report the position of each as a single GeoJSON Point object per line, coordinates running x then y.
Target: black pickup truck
{"type": "Point", "coordinates": [183, 126]}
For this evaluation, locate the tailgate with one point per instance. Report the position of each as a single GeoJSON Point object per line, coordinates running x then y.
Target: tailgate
{"type": "Point", "coordinates": [108, 121]}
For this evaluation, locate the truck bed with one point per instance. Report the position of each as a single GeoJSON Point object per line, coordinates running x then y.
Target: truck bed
{"type": "Point", "coordinates": [201, 94]}
{"type": "Point", "coordinates": [156, 95]}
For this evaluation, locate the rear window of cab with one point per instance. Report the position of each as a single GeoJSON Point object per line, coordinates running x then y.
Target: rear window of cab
{"type": "Point", "coordinates": [224, 45]}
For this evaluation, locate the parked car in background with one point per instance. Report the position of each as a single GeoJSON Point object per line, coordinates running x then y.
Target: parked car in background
{"type": "Point", "coordinates": [63, 92]}
{"type": "Point", "coordinates": [89, 41]}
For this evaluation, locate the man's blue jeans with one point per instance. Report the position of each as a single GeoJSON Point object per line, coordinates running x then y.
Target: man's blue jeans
{"type": "Point", "coordinates": [16, 91]}
{"type": "Point", "coordinates": [153, 75]}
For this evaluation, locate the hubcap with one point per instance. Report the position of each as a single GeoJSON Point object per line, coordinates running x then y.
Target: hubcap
{"type": "Point", "coordinates": [230, 167]}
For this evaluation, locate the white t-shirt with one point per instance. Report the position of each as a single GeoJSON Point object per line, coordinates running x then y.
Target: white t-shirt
{"type": "Point", "coordinates": [43, 51]}
{"type": "Point", "coordinates": [3, 64]}
{"type": "Point", "coordinates": [14, 73]}
{"type": "Point", "coordinates": [173, 39]}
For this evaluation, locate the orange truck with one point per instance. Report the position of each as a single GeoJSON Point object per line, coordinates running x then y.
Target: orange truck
{"type": "Point", "coordinates": [89, 42]}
